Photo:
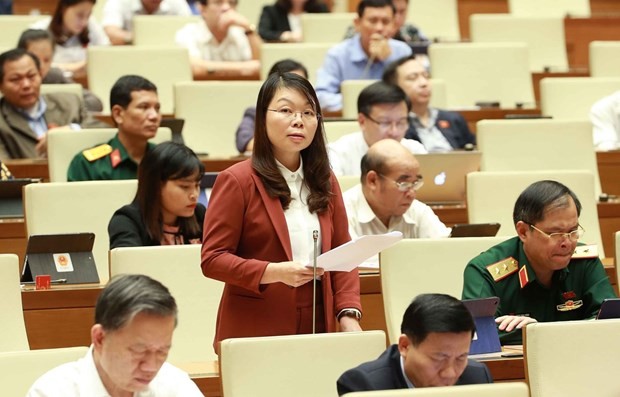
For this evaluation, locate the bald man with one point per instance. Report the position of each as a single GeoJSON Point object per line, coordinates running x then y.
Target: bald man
{"type": "Point", "coordinates": [385, 200]}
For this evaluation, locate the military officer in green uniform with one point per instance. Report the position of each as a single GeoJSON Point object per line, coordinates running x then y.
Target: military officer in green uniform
{"type": "Point", "coordinates": [135, 110]}
{"type": "Point", "coordinates": [542, 274]}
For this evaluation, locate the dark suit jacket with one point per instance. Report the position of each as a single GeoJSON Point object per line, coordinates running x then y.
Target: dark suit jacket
{"type": "Point", "coordinates": [274, 20]}
{"type": "Point", "coordinates": [126, 228]}
{"type": "Point", "coordinates": [17, 140]}
{"type": "Point", "coordinates": [385, 373]}
{"type": "Point", "coordinates": [244, 230]}
{"type": "Point", "coordinates": [453, 126]}
{"type": "Point", "coordinates": [56, 76]}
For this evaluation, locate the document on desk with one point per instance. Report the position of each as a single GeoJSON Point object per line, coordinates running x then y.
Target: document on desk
{"type": "Point", "coordinates": [350, 255]}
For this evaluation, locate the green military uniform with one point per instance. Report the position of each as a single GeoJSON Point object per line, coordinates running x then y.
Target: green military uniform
{"type": "Point", "coordinates": [108, 161]}
{"type": "Point", "coordinates": [576, 293]}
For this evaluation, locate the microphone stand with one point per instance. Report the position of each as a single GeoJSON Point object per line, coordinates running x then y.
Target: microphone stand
{"type": "Point", "coordinates": [315, 237]}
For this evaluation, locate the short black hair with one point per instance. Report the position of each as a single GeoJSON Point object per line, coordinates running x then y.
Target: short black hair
{"type": "Point", "coordinates": [435, 313]}
{"type": "Point", "coordinates": [374, 4]}
{"type": "Point", "coordinates": [15, 55]}
{"type": "Point", "coordinates": [288, 65]}
{"type": "Point", "coordinates": [31, 35]}
{"type": "Point", "coordinates": [128, 295]}
{"type": "Point", "coordinates": [380, 93]}
{"type": "Point", "coordinates": [120, 94]}
{"type": "Point", "coordinates": [390, 73]}
{"type": "Point", "coordinates": [532, 203]}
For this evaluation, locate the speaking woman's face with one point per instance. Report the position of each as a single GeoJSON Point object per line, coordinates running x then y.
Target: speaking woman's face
{"type": "Point", "coordinates": [291, 123]}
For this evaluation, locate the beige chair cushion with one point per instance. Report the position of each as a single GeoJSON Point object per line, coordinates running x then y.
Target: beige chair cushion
{"type": "Point", "coordinates": [13, 330]}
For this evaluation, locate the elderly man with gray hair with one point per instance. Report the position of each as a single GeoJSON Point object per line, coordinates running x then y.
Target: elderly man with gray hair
{"type": "Point", "coordinates": [135, 317]}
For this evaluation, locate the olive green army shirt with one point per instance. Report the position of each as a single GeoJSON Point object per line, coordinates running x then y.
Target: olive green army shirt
{"type": "Point", "coordinates": [108, 161]}
{"type": "Point", "coordinates": [576, 293]}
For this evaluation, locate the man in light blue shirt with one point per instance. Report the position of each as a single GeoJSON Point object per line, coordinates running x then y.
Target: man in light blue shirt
{"type": "Point", "coordinates": [364, 56]}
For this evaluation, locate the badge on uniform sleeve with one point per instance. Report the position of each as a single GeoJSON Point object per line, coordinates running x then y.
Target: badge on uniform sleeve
{"type": "Point", "coordinates": [97, 152]}
{"type": "Point", "coordinates": [115, 158]}
{"type": "Point", "coordinates": [585, 251]}
{"type": "Point", "coordinates": [523, 277]}
{"type": "Point", "coordinates": [502, 269]}
{"type": "Point", "coordinates": [443, 124]}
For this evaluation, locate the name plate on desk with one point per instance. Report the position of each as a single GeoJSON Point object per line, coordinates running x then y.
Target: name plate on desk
{"type": "Point", "coordinates": [67, 258]}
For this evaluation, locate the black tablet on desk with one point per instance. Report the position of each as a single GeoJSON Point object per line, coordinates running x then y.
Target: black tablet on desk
{"type": "Point", "coordinates": [475, 230]}
{"type": "Point", "coordinates": [486, 338]}
{"type": "Point", "coordinates": [610, 308]}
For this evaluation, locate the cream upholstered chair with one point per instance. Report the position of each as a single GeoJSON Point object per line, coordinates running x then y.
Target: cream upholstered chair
{"type": "Point", "coordinates": [252, 9]}
{"type": "Point", "coordinates": [416, 266]}
{"type": "Point", "coordinates": [351, 90]}
{"type": "Point", "coordinates": [70, 88]}
{"type": "Point", "coordinates": [22, 368]}
{"type": "Point", "coordinates": [485, 72]}
{"type": "Point", "coordinates": [336, 129]}
{"type": "Point", "coordinates": [346, 182]}
{"type": "Point", "coordinates": [197, 297]}
{"type": "Point", "coordinates": [570, 98]}
{"type": "Point", "coordinates": [63, 145]}
{"type": "Point", "coordinates": [438, 19]}
{"type": "Point", "coordinates": [491, 197]}
{"type": "Point", "coordinates": [311, 55]}
{"type": "Point", "coordinates": [549, 348]}
{"type": "Point", "coordinates": [559, 145]}
{"type": "Point", "coordinates": [294, 365]}
{"type": "Point", "coordinates": [605, 58]}
{"type": "Point", "coordinates": [508, 389]}
{"type": "Point", "coordinates": [212, 111]}
{"type": "Point", "coordinates": [12, 28]}
{"type": "Point", "coordinates": [617, 235]}
{"type": "Point", "coordinates": [549, 8]}
{"type": "Point", "coordinates": [78, 207]}
{"type": "Point", "coordinates": [543, 35]}
{"type": "Point", "coordinates": [13, 331]}
{"type": "Point", "coordinates": [164, 66]}
{"type": "Point", "coordinates": [325, 27]}
{"type": "Point", "coordinates": [159, 30]}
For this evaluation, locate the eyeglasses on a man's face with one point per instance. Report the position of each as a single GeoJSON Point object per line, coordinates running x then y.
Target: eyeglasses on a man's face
{"type": "Point", "coordinates": [574, 235]}
{"type": "Point", "coordinates": [406, 186]}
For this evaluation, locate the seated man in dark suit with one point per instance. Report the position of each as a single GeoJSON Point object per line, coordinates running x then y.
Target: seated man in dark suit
{"type": "Point", "coordinates": [438, 130]}
{"type": "Point", "coordinates": [437, 330]}
{"type": "Point", "coordinates": [26, 115]}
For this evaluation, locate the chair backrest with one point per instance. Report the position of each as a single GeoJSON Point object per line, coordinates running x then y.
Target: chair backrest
{"type": "Point", "coordinates": [546, 357]}
{"type": "Point", "coordinates": [543, 35]}
{"type": "Point", "coordinates": [70, 88]}
{"type": "Point", "coordinates": [570, 98]}
{"type": "Point", "coordinates": [508, 389]}
{"type": "Point", "coordinates": [336, 129]}
{"type": "Point", "coordinates": [74, 207]}
{"type": "Point", "coordinates": [62, 146]}
{"type": "Point", "coordinates": [560, 145]}
{"type": "Point", "coordinates": [346, 182]}
{"type": "Point", "coordinates": [252, 9]}
{"type": "Point", "coordinates": [617, 262]}
{"type": "Point", "coordinates": [491, 197]}
{"type": "Point", "coordinates": [23, 368]}
{"type": "Point", "coordinates": [13, 330]}
{"type": "Point", "coordinates": [197, 297]}
{"type": "Point", "coordinates": [351, 89]}
{"type": "Point", "coordinates": [13, 26]}
{"type": "Point", "coordinates": [164, 66]}
{"type": "Point", "coordinates": [281, 365]}
{"type": "Point", "coordinates": [325, 27]}
{"type": "Point", "coordinates": [311, 55]}
{"type": "Point", "coordinates": [605, 58]}
{"type": "Point", "coordinates": [549, 8]}
{"type": "Point", "coordinates": [438, 19]}
{"type": "Point", "coordinates": [159, 30]}
{"type": "Point", "coordinates": [212, 111]}
{"type": "Point", "coordinates": [415, 266]}
{"type": "Point", "coordinates": [486, 72]}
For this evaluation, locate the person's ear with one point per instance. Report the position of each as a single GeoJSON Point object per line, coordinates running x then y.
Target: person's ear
{"type": "Point", "coordinates": [356, 23]}
{"type": "Point", "coordinates": [361, 120]}
{"type": "Point", "coordinates": [522, 228]}
{"type": "Point", "coordinates": [97, 335]}
{"type": "Point", "coordinates": [117, 114]}
{"type": "Point", "coordinates": [372, 178]}
{"type": "Point", "coordinates": [403, 344]}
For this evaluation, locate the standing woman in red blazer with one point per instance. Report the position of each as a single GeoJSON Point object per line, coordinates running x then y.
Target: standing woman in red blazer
{"type": "Point", "coordinates": [261, 217]}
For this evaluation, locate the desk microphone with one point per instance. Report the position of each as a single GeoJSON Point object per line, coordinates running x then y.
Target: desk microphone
{"type": "Point", "coordinates": [315, 237]}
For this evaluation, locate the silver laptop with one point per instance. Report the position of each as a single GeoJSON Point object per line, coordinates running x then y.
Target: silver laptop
{"type": "Point", "coordinates": [445, 176]}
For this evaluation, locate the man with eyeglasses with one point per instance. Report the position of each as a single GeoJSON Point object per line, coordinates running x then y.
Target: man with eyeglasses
{"type": "Point", "coordinates": [439, 130]}
{"type": "Point", "coordinates": [385, 201]}
{"type": "Point", "coordinates": [543, 274]}
{"type": "Point", "coordinates": [223, 43]}
{"type": "Point", "coordinates": [382, 113]}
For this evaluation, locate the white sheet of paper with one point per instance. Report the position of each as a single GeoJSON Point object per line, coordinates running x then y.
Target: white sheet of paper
{"type": "Point", "coordinates": [350, 255]}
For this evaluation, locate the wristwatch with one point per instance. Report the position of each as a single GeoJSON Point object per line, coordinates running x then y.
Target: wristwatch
{"type": "Point", "coordinates": [354, 313]}
{"type": "Point", "coordinates": [251, 29]}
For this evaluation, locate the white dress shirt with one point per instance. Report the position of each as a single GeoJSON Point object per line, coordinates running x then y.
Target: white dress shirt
{"type": "Point", "coordinates": [120, 13]}
{"type": "Point", "coordinates": [199, 40]}
{"type": "Point", "coordinates": [605, 117]}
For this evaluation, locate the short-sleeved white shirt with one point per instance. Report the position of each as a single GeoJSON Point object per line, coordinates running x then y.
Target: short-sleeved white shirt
{"type": "Point", "coordinates": [201, 43]}
{"type": "Point", "coordinates": [120, 13]}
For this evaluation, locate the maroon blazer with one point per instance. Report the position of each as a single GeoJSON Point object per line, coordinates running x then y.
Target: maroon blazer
{"type": "Point", "coordinates": [244, 230]}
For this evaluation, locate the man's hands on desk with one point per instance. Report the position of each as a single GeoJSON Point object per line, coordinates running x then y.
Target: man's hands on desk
{"type": "Point", "coordinates": [510, 323]}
